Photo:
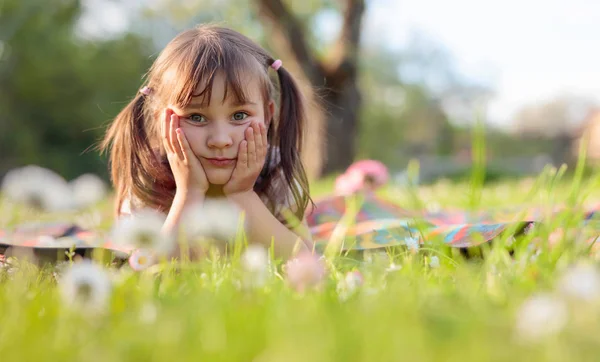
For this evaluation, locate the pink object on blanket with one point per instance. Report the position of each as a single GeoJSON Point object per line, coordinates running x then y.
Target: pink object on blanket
{"type": "Point", "coordinates": [372, 168]}
{"type": "Point", "coordinates": [349, 183]}
{"type": "Point", "coordinates": [365, 174]}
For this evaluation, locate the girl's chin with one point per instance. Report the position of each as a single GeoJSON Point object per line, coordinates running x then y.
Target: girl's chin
{"type": "Point", "coordinates": [218, 177]}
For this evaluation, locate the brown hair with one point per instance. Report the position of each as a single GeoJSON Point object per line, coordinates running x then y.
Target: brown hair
{"type": "Point", "coordinates": [138, 163]}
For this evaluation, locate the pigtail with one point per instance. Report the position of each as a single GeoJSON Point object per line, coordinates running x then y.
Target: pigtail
{"type": "Point", "coordinates": [289, 137]}
{"type": "Point", "coordinates": [131, 155]}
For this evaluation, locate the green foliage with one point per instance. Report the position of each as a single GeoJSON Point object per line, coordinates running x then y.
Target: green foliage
{"type": "Point", "coordinates": [58, 91]}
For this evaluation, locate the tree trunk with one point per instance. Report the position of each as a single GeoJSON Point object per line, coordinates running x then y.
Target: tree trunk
{"type": "Point", "coordinates": [342, 105]}
{"type": "Point", "coordinates": [336, 77]}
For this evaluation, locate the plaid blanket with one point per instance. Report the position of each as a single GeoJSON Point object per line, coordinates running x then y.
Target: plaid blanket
{"type": "Point", "coordinates": [376, 223]}
{"type": "Point", "coordinates": [380, 223]}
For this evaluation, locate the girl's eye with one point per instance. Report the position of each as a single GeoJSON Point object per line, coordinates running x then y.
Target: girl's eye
{"type": "Point", "coordinates": [240, 116]}
{"type": "Point", "coordinates": [196, 118]}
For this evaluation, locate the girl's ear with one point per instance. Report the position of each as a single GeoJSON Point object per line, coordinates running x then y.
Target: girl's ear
{"type": "Point", "coordinates": [271, 110]}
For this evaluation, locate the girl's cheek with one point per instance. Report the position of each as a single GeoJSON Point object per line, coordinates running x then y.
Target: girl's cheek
{"type": "Point", "coordinates": [240, 133]}
{"type": "Point", "coordinates": [194, 136]}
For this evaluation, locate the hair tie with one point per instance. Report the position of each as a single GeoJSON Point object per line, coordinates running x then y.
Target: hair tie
{"type": "Point", "coordinates": [146, 91]}
{"type": "Point", "coordinates": [276, 64]}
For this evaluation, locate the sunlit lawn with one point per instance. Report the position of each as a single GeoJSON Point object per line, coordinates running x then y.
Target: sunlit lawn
{"type": "Point", "coordinates": [429, 304]}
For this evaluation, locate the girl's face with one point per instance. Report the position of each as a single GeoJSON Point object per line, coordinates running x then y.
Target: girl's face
{"type": "Point", "coordinates": [214, 132]}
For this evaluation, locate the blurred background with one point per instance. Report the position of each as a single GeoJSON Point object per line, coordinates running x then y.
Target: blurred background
{"type": "Point", "coordinates": [397, 80]}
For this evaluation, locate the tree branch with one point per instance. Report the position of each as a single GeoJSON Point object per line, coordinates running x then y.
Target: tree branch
{"type": "Point", "coordinates": [343, 60]}
{"type": "Point", "coordinates": [290, 27]}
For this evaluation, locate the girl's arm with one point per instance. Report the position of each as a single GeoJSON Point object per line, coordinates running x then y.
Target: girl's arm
{"type": "Point", "coordinates": [181, 202]}
{"type": "Point", "coordinates": [263, 227]}
{"type": "Point", "coordinates": [189, 174]}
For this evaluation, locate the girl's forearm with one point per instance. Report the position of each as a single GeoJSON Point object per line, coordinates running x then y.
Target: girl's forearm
{"type": "Point", "coordinates": [262, 226]}
{"type": "Point", "coordinates": [181, 202]}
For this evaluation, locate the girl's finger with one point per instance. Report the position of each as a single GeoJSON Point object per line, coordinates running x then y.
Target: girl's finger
{"type": "Point", "coordinates": [183, 144]}
{"type": "Point", "coordinates": [165, 131]}
{"type": "Point", "coordinates": [173, 137]}
{"type": "Point", "coordinates": [251, 145]}
{"type": "Point", "coordinates": [242, 161]}
{"type": "Point", "coordinates": [263, 132]}
{"type": "Point", "coordinates": [258, 142]}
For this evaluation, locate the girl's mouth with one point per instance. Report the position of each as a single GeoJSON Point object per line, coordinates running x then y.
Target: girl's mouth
{"type": "Point", "coordinates": [221, 162]}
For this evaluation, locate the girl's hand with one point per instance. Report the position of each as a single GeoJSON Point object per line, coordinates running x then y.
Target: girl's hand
{"type": "Point", "coordinates": [187, 170]}
{"type": "Point", "coordinates": [250, 160]}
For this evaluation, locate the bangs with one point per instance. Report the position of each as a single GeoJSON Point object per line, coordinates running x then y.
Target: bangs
{"type": "Point", "coordinates": [192, 75]}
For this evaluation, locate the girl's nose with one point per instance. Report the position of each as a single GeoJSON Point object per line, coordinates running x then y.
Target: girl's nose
{"type": "Point", "coordinates": [219, 137]}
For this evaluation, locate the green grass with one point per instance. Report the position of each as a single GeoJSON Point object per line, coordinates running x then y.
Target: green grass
{"type": "Point", "coordinates": [464, 310]}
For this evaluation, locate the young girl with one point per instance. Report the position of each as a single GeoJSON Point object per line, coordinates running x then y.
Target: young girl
{"type": "Point", "coordinates": [206, 124]}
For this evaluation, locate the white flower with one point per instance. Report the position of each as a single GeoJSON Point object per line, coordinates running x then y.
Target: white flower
{"type": "Point", "coordinates": [88, 189]}
{"type": "Point", "coordinates": [393, 268]}
{"type": "Point", "coordinates": [216, 219]}
{"type": "Point", "coordinates": [541, 316]}
{"type": "Point", "coordinates": [255, 263]}
{"type": "Point", "coordinates": [376, 257]}
{"type": "Point", "coordinates": [354, 279]}
{"type": "Point", "coordinates": [255, 259]}
{"type": "Point", "coordinates": [38, 187]}
{"type": "Point", "coordinates": [434, 262]}
{"type": "Point", "coordinates": [141, 259]}
{"type": "Point", "coordinates": [349, 285]}
{"type": "Point", "coordinates": [412, 243]}
{"type": "Point", "coordinates": [581, 282]}
{"type": "Point", "coordinates": [142, 230]}
{"type": "Point", "coordinates": [59, 198]}
{"type": "Point", "coordinates": [86, 286]}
